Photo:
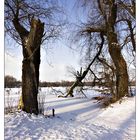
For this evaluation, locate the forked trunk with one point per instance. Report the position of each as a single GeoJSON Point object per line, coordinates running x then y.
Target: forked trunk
{"type": "Point", "coordinates": [30, 67]}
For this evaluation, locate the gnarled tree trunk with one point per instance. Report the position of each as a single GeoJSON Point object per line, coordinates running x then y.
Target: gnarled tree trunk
{"type": "Point", "coordinates": [121, 68]}
{"type": "Point", "coordinates": [30, 65]}
{"type": "Point", "coordinates": [116, 55]}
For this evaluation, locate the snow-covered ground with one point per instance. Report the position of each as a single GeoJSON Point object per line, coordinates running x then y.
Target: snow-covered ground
{"type": "Point", "coordinates": [75, 118]}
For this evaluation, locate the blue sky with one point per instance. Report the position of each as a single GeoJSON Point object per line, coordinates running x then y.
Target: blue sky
{"type": "Point", "coordinates": [54, 59]}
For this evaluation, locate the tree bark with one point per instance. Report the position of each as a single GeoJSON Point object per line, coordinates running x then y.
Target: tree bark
{"type": "Point", "coordinates": [116, 55]}
{"type": "Point", "coordinates": [121, 69]}
{"type": "Point", "coordinates": [30, 65]}
{"type": "Point", "coordinates": [132, 34]}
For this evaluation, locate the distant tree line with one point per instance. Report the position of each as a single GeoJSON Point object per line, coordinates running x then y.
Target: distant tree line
{"type": "Point", "coordinates": [63, 84]}
{"type": "Point", "coordinates": [12, 82]}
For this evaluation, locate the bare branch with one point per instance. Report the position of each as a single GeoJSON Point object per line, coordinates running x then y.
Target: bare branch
{"type": "Point", "coordinates": [93, 30]}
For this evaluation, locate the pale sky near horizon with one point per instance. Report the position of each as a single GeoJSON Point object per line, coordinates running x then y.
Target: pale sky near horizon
{"type": "Point", "coordinates": [53, 65]}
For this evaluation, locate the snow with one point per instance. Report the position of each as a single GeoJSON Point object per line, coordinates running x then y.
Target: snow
{"type": "Point", "coordinates": [75, 118]}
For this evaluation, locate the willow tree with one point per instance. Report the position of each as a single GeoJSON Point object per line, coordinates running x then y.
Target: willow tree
{"type": "Point", "coordinates": [25, 22]}
{"type": "Point", "coordinates": [106, 16]}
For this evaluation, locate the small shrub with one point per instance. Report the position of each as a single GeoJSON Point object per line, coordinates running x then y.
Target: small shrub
{"type": "Point", "coordinates": [9, 102]}
{"type": "Point", "coordinates": [41, 102]}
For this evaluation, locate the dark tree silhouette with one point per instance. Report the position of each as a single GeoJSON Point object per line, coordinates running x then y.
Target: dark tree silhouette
{"type": "Point", "coordinates": [24, 22]}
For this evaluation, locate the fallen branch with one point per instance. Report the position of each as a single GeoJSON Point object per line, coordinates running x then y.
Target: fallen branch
{"type": "Point", "coordinates": [56, 92]}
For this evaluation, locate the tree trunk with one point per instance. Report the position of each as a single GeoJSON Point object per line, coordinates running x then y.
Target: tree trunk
{"type": "Point", "coordinates": [132, 35]}
{"type": "Point", "coordinates": [30, 67]}
{"type": "Point", "coordinates": [80, 77]}
{"type": "Point", "coordinates": [115, 53]}
{"type": "Point", "coordinates": [121, 69]}
{"type": "Point", "coordinates": [70, 91]}
{"type": "Point", "coordinates": [29, 87]}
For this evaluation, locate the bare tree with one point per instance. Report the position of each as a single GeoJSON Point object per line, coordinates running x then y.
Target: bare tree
{"type": "Point", "coordinates": [24, 22]}
{"type": "Point", "coordinates": [104, 16]}
{"type": "Point", "coordinates": [80, 75]}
